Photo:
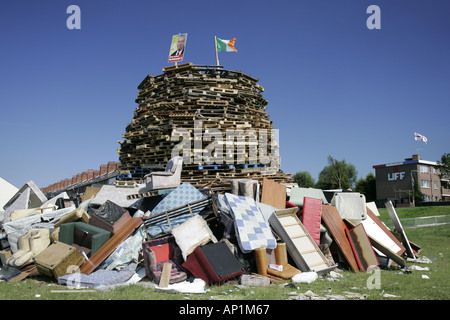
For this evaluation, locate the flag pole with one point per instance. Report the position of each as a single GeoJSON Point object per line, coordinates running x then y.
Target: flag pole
{"type": "Point", "coordinates": [215, 46]}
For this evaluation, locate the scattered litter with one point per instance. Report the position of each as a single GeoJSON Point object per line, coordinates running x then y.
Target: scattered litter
{"type": "Point", "coordinates": [387, 295]}
{"type": "Point", "coordinates": [417, 268]}
{"type": "Point", "coordinates": [420, 260]}
{"type": "Point", "coordinates": [305, 277]}
{"type": "Point", "coordinates": [424, 276]}
{"type": "Point", "coordinates": [73, 291]}
{"type": "Point", "coordinates": [355, 295]}
{"type": "Point", "coordinates": [196, 286]}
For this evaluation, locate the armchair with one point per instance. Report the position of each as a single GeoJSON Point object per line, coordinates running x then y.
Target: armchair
{"type": "Point", "coordinates": [83, 236]}
{"type": "Point", "coordinates": [169, 178]}
{"type": "Point", "coordinates": [156, 252]}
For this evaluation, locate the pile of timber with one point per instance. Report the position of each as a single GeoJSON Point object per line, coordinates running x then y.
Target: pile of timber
{"type": "Point", "coordinates": [173, 106]}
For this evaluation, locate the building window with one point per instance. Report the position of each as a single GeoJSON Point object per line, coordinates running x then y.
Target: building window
{"type": "Point", "coordinates": [424, 169]}
{"type": "Point", "coordinates": [435, 185]}
{"type": "Point", "coordinates": [425, 183]}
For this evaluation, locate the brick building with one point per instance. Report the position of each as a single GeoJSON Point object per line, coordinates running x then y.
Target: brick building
{"type": "Point", "coordinates": [395, 181]}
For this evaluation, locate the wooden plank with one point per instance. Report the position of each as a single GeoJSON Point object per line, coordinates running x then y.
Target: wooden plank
{"type": "Point", "coordinates": [334, 223]}
{"type": "Point", "coordinates": [165, 275]}
{"type": "Point", "coordinates": [399, 228]}
{"type": "Point", "coordinates": [372, 218]}
{"type": "Point", "coordinates": [101, 254]}
{"type": "Point", "coordinates": [362, 248]}
{"type": "Point", "coordinates": [273, 194]}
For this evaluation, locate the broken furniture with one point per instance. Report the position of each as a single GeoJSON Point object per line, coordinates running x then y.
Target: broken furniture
{"type": "Point", "coordinates": [337, 228]}
{"type": "Point", "coordinates": [301, 247]}
{"type": "Point", "coordinates": [79, 214]}
{"type": "Point", "coordinates": [245, 187]}
{"type": "Point", "coordinates": [15, 229]}
{"type": "Point", "coordinates": [298, 194]}
{"type": "Point", "coordinates": [83, 236]}
{"type": "Point", "coordinates": [273, 194]}
{"type": "Point", "coordinates": [399, 228]}
{"type": "Point", "coordinates": [110, 216]}
{"type": "Point", "coordinates": [350, 205]}
{"type": "Point", "coordinates": [191, 234]}
{"type": "Point", "coordinates": [251, 229]}
{"type": "Point", "coordinates": [382, 238]}
{"type": "Point", "coordinates": [30, 245]}
{"type": "Point", "coordinates": [58, 259]}
{"type": "Point", "coordinates": [362, 248]}
{"type": "Point", "coordinates": [311, 217]}
{"type": "Point", "coordinates": [156, 253]}
{"type": "Point", "coordinates": [214, 263]}
{"type": "Point", "coordinates": [28, 197]}
{"type": "Point", "coordinates": [274, 262]}
{"type": "Point", "coordinates": [101, 254]}
{"type": "Point", "coordinates": [179, 205]}
{"type": "Point", "coordinates": [169, 178]}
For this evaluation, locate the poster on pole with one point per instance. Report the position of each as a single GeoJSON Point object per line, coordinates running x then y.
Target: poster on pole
{"type": "Point", "coordinates": [177, 47]}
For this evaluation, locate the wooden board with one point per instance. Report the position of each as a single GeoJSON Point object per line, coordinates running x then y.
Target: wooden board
{"type": "Point", "coordinates": [273, 194]}
{"type": "Point", "coordinates": [362, 248]}
{"type": "Point", "coordinates": [101, 254]}
{"type": "Point", "coordinates": [399, 228]}
{"type": "Point", "coordinates": [334, 223]}
{"type": "Point", "coordinates": [302, 248]}
{"type": "Point", "coordinates": [165, 275]}
{"type": "Point", "coordinates": [377, 230]}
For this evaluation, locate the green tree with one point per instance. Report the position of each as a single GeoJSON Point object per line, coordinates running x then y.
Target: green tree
{"type": "Point", "coordinates": [367, 187]}
{"type": "Point", "coordinates": [444, 164]}
{"type": "Point", "coordinates": [337, 175]}
{"type": "Point", "coordinates": [304, 179]}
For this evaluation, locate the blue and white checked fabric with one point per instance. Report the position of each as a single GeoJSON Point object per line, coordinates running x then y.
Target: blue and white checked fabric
{"type": "Point", "coordinates": [182, 195]}
{"type": "Point", "coordinates": [252, 230]}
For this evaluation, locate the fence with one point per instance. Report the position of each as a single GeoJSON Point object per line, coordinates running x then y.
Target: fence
{"type": "Point", "coordinates": [420, 222]}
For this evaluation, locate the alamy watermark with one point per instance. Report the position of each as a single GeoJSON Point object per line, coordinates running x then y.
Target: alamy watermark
{"type": "Point", "coordinates": [211, 146]}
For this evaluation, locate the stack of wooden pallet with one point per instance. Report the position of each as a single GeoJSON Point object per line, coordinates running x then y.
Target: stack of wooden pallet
{"type": "Point", "coordinates": [187, 100]}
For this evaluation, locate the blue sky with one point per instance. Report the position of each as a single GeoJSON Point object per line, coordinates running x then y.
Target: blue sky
{"type": "Point", "coordinates": [334, 86]}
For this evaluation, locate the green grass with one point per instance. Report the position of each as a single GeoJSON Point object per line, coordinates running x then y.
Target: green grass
{"type": "Point", "coordinates": [406, 286]}
{"type": "Point", "coordinates": [414, 212]}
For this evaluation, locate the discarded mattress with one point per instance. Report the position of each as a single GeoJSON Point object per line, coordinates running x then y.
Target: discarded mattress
{"type": "Point", "coordinates": [252, 230]}
{"type": "Point", "coordinates": [351, 205]}
{"type": "Point", "coordinates": [298, 194]}
{"type": "Point", "coordinates": [311, 217]}
{"type": "Point", "coordinates": [100, 277]}
{"type": "Point", "coordinates": [182, 195]}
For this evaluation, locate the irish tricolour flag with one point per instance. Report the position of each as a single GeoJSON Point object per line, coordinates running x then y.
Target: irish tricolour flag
{"type": "Point", "coordinates": [225, 45]}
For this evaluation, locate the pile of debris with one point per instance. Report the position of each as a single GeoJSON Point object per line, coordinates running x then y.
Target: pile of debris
{"type": "Point", "coordinates": [255, 233]}
{"type": "Point", "coordinates": [219, 115]}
